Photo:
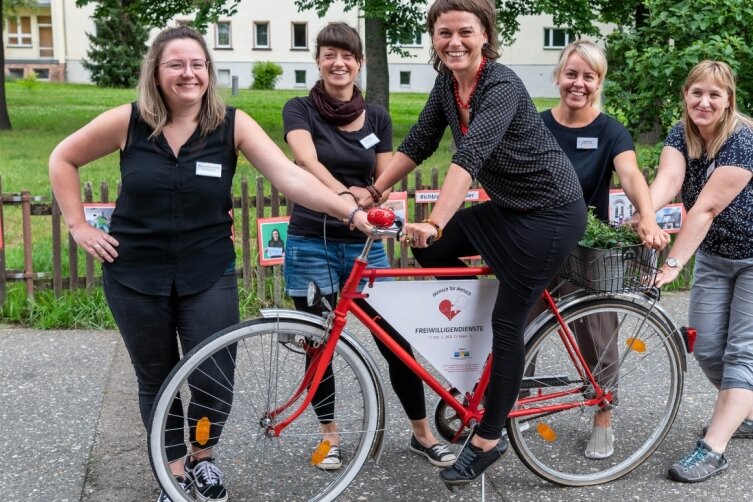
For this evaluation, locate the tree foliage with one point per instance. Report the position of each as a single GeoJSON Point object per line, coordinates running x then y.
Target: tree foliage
{"type": "Point", "coordinates": [116, 46]}
{"type": "Point", "coordinates": [648, 65]}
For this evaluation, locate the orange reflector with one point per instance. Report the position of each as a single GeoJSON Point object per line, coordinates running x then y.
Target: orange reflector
{"type": "Point", "coordinates": [636, 344]}
{"type": "Point", "coordinates": [202, 431]}
{"type": "Point", "coordinates": [546, 432]}
{"type": "Point", "coordinates": [320, 453]}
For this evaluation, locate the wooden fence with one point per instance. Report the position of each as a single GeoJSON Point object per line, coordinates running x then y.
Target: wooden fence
{"type": "Point", "coordinates": [248, 207]}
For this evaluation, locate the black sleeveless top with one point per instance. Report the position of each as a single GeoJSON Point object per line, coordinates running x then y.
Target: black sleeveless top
{"type": "Point", "coordinates": [172, 216]}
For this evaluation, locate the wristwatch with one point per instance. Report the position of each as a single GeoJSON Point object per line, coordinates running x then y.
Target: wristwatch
{"type": "Point", "coordinates": [672, 262]}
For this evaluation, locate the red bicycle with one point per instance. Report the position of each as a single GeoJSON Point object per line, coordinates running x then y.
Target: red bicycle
{"type": "Point", "coordinates": [271, 427]}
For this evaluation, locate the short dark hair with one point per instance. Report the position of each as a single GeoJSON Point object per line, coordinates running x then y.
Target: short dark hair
{"type": "Point", "coordinates": [342, 36]}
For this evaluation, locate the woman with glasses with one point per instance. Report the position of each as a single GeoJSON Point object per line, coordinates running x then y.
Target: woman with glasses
{"type": "Point", "coordinates": [169, 261]}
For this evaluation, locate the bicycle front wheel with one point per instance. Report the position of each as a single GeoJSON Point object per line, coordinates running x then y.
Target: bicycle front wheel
{"type": "Point", "coordinates": [632, 354]}
{"type": "Point", "coordinates": [229, 391]}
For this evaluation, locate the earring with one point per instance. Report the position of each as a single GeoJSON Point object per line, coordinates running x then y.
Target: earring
{"type": "Point", "coordinates": [485, 45]}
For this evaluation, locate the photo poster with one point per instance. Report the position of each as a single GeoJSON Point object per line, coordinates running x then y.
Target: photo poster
{"type": "Point", "coordinates": [669, 218]}
{"type": "Point", "coordinates": [398, 203]}
{"type": "Point", "coordinates": [272, 234]}
{"type": "Point", "coordinates": [99, 214]}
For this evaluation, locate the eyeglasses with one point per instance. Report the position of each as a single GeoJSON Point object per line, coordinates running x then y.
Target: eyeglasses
{"type": "Point", "coordinates": [175, 65]}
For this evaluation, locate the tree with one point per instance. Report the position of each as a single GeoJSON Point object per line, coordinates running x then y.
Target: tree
{"type": "Point", "coordinates": [118, 43]}
{"type": "Point", "coordinates": [6, 9]}
{"type": "Point", "coordinates": [386, 22]}
{"type": "Point", "coordinates": [648, 65]}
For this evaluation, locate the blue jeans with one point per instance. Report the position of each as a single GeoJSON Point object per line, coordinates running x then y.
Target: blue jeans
{"type": "Point", "coordinates": [721, 309]}
{"type": "Point", "coordinates": [307, 259]}
{"type": "Point", "coordinates": [152, 326]}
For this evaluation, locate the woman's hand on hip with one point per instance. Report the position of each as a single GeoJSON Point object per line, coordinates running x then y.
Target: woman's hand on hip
{"type": "Point", "coordinates": [101, 245]}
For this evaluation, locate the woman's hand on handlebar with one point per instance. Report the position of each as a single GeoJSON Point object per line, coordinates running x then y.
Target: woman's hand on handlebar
{"type": "Point", "coordinates": [361, 222]}
{"type": "Point", "coordinates": [419, 235]}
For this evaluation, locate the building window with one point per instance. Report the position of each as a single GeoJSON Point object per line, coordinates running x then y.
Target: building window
{"type": "Point", "coordinates": [299, 36]}
{"type": "Point", "coordinates": [223, 78]}
{"type": "Point", "coordinates": [222, 38]}
{"type": "Point", "coordinates": [16, 72]}
{"type": "Point", "coordinates": [405, 79]}
{"type": "Point", "coordinates": [300, 78]}
{"type": "Point", "coordinates": [19, 31]}
{"type": "Point", "coordinates": [44, 24]}
{"type": "Point", "coordinates": [556, 38]}
{"type": "Point", "coordinates": [261, 35]}
{"type": "Point", "coordinates": [413, 40]}
{"type": "Point", "coordinates": [42, 73]}
{"type": "Point", "coordinates": [182, 22]}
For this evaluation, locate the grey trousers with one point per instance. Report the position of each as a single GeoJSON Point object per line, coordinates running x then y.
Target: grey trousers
{"type": "Point", "coordinates": [721, 309]}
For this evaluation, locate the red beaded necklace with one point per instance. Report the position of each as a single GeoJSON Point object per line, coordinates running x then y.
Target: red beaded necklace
{"type": "Point", "coordinates": [458, 101]}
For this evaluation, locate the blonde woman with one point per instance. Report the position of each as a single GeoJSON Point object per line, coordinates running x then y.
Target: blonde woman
{"type": "Point", "coordinates": [598, 146]}
{"type": "Point", "coordinates": [708, 157]}
{"type": "Point", "coordinates": [169, 262]}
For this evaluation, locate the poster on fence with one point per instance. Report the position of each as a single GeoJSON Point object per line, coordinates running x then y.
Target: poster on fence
{"type": "Point", "coordinates": [669, 218]}
{"type": "Point", "coordinates": [449, 322]}
{"type": "Point", "coordinates": [99, 214]}
{"type": "Point", "coordinates": [272, 234]}
{"type": "Point", "coordinates": [431, 196]}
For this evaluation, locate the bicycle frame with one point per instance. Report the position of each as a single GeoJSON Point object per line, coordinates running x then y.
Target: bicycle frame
{"type": "Point", "coordinates": [471, 413]}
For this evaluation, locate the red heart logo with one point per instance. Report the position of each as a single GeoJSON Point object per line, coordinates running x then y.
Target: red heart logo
{"type": "Point", "coordinates": [445, 307]}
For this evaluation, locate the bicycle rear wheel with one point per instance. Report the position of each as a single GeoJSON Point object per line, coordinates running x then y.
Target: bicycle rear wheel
{"type": "Point", "coordinates": [258, 367]}
{"type": "Point", "coordinates": [646, 375]}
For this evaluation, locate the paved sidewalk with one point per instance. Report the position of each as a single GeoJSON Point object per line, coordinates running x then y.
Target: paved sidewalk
{"type": "Point", "coordinates": [70, 421]}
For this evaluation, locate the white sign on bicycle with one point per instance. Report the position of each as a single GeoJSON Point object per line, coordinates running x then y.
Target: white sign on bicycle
{"type": "Point", "coordinates": [448, 322]}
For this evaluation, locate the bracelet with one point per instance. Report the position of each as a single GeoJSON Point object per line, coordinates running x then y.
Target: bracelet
{"type": "Point", "coordinates": [375, 194]}
{"type": "Point", "coordinates": [348, 192]}
{"type": "Point", "coordinates": [439, 229]}
{"type": "Point", "coordinates": [353, 214]}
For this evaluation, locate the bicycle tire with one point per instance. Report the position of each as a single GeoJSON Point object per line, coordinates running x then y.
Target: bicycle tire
{"type": "Point", "coordinates": [649, 388]}
{"type": "Point", "coordinates": [267, 368]}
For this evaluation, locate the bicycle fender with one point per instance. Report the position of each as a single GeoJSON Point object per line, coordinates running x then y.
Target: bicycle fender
{"type": "Point", "coordinates": [345, 337]}
{"type": "Point", "coordinates": [578, 297]}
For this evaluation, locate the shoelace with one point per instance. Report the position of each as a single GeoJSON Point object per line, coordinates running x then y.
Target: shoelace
{"type": "Point", "coordinates": [464, 460]}
{"type": "Point", "coordinates": [207, 473]}
{"type": "Point", "coordinates": [694, 458]}
{"type": "Point", "coordinates": [440, 450]}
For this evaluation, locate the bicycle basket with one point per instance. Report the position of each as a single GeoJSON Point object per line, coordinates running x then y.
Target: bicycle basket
{"type": "Point", "coordinates": [621, 269]}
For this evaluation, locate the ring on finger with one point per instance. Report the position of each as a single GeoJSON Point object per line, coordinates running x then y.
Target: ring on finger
{"type": "Point", "coordinates": [409, 240]}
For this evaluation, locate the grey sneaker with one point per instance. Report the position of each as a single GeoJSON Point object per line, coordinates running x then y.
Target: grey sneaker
{"type": "Point", "coordinates": [744, 431]}
{"type": "Point", "coordinates": [601, 444]}
{"type": "Point", "coordinates": [700, 465]}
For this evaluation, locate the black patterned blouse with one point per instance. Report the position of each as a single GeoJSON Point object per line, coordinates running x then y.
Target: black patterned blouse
{"type": "Point", "coordinates": [508, 149]}
{"type": "Point", "coordinates": [731, 232]}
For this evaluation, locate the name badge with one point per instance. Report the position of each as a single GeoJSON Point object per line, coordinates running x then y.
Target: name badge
{"type": "Point", "coordinates": [370, 141]}
{"type": "Point", "coordinates": [208, 169]}
{"type": "Point", "coordinates": [587, 143]}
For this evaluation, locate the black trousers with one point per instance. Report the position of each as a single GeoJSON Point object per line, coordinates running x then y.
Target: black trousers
{"type": "Point", "coordinates": [152, 328]}
{"type": "Point", "coordinates": [525, 250]}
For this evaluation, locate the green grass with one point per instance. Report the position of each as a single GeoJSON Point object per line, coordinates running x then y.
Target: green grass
{"type": "Point", "coordinates": [44, 114]}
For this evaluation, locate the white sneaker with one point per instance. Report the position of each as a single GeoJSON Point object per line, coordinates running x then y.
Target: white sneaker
{"type": "Point", "coordinates": [601, 444]}
{"type": "Point", "coordinates": [332, 461]}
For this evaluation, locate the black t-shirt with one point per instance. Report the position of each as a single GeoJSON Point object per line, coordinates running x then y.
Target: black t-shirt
{"type": "Point", "coordinates": [343, 154]}
{"type": "Point", "coordinates": [592, 150]}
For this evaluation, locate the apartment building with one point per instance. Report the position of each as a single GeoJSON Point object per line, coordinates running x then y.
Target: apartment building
{"type": "Point", "coordinates": [51, 41]}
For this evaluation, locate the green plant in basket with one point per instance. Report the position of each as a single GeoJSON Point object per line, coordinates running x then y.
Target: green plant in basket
{"type": "Point", "coordinates": [601, 235]}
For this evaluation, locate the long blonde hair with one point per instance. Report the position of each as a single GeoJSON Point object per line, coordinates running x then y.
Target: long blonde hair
{"type": "Point", "coordinates": [152, 107]}
{"type": "Point", "coordinates": [593, 56]}
{"type": "Point", "coordinates": [720, 74]}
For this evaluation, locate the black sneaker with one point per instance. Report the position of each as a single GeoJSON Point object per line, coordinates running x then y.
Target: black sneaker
{"type": "Point", "coordinates": [471, 463]}
{"type": "Point", "coordinates": [437, 454]}
{"type": "Point", "coordinates": [700, 465]}
{"type": "Point", "coordinates": [207, 480]}
{"type": "Point", "coordinates": [743, 431]}
{"type": "Point", "coordinates": [183, 482]}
